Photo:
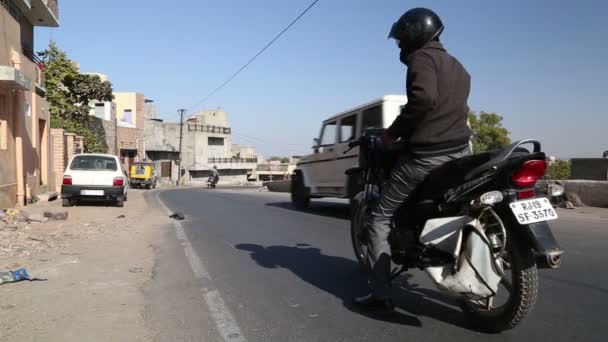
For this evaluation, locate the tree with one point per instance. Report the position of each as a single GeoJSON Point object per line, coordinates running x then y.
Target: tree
{"type": "Point", "coordinates": [488, 133]}
{"type": "Point", "coordinates": [69, 93]}
{"type": "Point", "coordinates": [559, 170]}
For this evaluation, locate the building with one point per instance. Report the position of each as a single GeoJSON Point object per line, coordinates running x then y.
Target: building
{"type": "Point", "coordinates": [25, 157]}
{"type": "Point", "coordinates": [206, 142]}
{"type": "Point", "coordinates": [130, 109]}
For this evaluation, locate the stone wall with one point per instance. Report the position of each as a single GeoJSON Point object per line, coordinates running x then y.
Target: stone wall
{"type": "Point", "coordinates": [107, 130]}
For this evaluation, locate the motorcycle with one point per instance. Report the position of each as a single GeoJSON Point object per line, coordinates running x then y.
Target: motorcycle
{"type": "Point", "coordinates": [486, 206]}
{"type": "Point", "coordinates": [212, 181]}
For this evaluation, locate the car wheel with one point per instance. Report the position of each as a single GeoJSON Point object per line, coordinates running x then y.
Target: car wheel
{"type": "Point", "coordinates": [66, 202]}
{"type": "Point", "coordinates": [300, 194]}
{"type": "Point", "coordinates": [120, 203]}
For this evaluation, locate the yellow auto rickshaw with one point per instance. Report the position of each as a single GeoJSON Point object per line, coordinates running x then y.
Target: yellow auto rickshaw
{"type": "Point", "coordinates": [142, 175]}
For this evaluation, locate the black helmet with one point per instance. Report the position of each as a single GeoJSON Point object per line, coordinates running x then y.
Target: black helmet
{"type": "Point", "coordinates": [415, 28]}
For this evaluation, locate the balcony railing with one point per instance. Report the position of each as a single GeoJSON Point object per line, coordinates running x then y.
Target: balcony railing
{"type": "Point", "coordinates": [192, 127]}
{"type": "Point", "coordinates": [29, 53]}
{"type": "Point", "coordinates": [233, 160]}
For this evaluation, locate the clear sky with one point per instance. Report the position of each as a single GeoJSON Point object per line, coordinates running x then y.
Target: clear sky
{"type": "Point", "coordinates": [540, 64]}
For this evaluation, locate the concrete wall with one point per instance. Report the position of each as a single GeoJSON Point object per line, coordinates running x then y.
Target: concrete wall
{"type": "Point", "coordinates": [8, 163]}
{"type": "Point", "coordinates": [590, 169]}
{"type": "Point", "coordinates": [24, 151]}
{"type": "Point", "coordinates": [592, 193]}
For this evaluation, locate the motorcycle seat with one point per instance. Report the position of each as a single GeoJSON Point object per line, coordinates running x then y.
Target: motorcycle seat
{"type": "Point", "coordinates": [451, 174]}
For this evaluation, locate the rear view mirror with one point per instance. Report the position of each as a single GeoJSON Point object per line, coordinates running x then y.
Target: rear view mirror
{"type": "Point", "coordinates": [315, 145]}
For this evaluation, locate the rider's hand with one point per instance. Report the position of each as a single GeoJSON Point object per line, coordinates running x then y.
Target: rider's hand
{"type": "Point", "coordinates": [387, 139]}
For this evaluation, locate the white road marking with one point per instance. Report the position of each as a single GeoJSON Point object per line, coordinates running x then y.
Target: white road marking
{"type": "Point", "coordinates": [223, 319]}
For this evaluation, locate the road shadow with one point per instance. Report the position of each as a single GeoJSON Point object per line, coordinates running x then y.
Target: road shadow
{"type": "Point", "coordinates": [334, 210]}
{"type": "Point", "coordinates": [342, 278]}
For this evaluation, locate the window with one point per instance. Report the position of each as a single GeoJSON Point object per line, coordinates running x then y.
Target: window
{"type": "Point", "coordinates": [94, 163]}
{"type": "Point", "coordinates": [100, 110]}
{"type": "Point", "coordinates": [328, 136]}
{"type": "Point", "coordinates": [215, 141]}
{"type": "Point", "coordinates": [372, 118]}
{"type": "Point", "coordinates": [348, 128]}
{"type": "Point", "coordinates": [127, 116]}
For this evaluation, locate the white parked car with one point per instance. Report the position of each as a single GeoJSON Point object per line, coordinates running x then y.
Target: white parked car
{"type": "Point", "coordinates": [322, 174]}
{"type": "Point", "coordinates": [94, 177]}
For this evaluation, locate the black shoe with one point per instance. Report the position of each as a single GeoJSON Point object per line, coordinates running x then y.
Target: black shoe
{"type": "Point", "coordinates": [371, 302]}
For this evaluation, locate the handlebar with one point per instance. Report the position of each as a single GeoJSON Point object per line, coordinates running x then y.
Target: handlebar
{"type": "Point", "coordinates": [354, 144]}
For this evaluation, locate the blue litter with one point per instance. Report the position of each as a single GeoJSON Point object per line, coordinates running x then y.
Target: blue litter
{"type": "Point", "coordinates": [15, 276]}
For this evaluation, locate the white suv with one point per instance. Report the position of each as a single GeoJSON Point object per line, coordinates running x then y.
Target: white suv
{"type": "Point", "coordinates": [94, 177]}
{"type": "Point", "coordinates": [322, 174]}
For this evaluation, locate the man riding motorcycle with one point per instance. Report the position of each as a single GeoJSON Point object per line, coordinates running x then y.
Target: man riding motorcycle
{"type": "Point", "coordinates": [433, 124]}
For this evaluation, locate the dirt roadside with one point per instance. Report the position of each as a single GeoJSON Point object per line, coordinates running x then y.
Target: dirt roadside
{"type": "Point", "coordinates": [97, 263]}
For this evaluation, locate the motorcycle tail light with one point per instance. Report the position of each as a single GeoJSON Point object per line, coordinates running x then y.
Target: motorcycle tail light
{"type": "Point", "coordinates": [119, 181]}
{"type": "Point", "coordinates": [525, 194]}
{"type": "Point", "coordinates": [529, 173]}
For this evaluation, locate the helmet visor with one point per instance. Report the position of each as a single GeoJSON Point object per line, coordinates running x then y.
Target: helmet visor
{"type": "Point", "coordinates": [394, 31]}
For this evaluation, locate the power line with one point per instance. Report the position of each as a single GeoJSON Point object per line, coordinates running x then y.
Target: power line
{"type": "Point", "coordinates": [256, 56]}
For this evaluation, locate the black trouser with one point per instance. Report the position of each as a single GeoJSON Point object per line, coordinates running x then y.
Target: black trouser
{"type": "Point", "coordinates": [409, 171]}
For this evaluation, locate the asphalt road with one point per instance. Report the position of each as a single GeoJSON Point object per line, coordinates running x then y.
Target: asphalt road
{"type": "Point", "coordinates": [287, 275]}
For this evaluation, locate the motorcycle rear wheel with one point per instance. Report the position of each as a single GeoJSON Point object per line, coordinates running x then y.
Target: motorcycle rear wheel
{"type": "Point", "coordinates": [521, 283]}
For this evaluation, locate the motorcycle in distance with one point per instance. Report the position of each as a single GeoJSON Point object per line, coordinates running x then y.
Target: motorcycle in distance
{"type": "Point", "coordinates": [485, 208]}
{"type": "Point", "coordinates": [212, 181]}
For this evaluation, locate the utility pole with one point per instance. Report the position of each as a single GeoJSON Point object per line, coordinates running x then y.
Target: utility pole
{"type": "Point", "coordinates": [181, 135]}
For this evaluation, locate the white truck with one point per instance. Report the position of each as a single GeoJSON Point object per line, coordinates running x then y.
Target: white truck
{"type": "Point", "coordinates": [322, 173]}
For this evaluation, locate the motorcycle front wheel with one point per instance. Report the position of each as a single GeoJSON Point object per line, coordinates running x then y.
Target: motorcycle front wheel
{"type": "Point", "coordinates": [359, 234]}
{"type": "Point", "coordinates": [516, 295]}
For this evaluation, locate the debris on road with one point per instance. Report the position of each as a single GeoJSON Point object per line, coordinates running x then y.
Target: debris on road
{"type": "Point", "coordinates": [121, 216]}
{"type": "Point", "coordinates": [11, 216]}
{"type": "Point", "coordinates": [56, 216]}
{"type": "Point", "coordinates": [136, 269]}
{"type": "Point", "coordinates": [16, 276]}
{"type": "Point", "coordinates": [38, 218]}
{"type": "Point", "coordinates": [178, 216]}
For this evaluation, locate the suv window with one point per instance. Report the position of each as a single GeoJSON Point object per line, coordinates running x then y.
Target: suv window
{"type": "Point", "coordinates": [329, 134]}
{"type": "Point", "coordinates": [372, 118]}
{"type": "Point", "coordinates": [94, 163]}
{"type": "Point", "coordinates": [348, 128]}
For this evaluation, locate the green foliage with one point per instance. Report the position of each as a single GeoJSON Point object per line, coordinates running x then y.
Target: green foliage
{"type": "Point", "coordinates": [559, 169]}
{"type": "Point", "coordinates": [488, 133]}
{"type": "Point", "coordinates": [68, 93]}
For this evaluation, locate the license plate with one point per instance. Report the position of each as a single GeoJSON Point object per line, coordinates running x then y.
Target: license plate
{"type": "Point", "coordinates": [91, 192]}
{"type": "Point", "coordinates": [533, 211]}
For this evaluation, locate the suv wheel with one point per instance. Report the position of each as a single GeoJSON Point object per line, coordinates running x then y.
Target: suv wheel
{"type": "Point", "coordinates": [120, 203]}
{"type": "Point", "coordinates": [300, 194]}
{"type": "Point", "coordinates": [66, 202]}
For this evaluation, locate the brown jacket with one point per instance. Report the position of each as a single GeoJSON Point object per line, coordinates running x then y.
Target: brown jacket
{"type": "Point", "coordinates": [435, 116]}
